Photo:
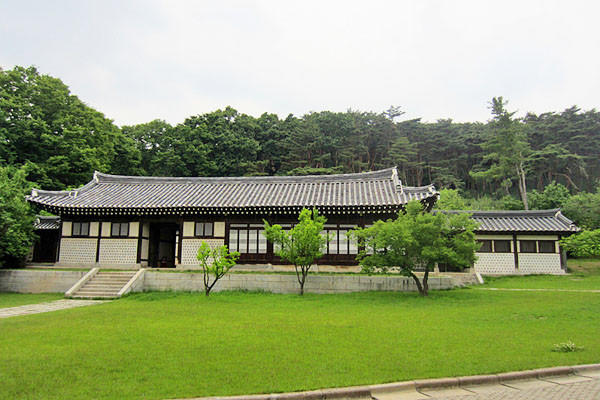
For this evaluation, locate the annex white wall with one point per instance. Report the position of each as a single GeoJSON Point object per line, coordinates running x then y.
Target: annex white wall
{"type": "Point", "coordinates": [495, 263]}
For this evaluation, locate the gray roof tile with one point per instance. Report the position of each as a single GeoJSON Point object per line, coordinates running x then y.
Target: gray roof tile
{"type": "Point", "coordinates": [376, 188]}
{"type": "Point", "coordinates": [46, 222]}
{"type": "Point", "coordinates": [522, 221]}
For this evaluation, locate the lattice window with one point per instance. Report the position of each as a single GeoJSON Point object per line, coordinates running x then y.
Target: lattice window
{"type": "Point", "coordinates": [247, 238]}
{"type": "Point", "coordinates": [204, 229]}
{"type": "Point", "coordinates": [81, 229]}
{"type": "Point", "coordinates": [119, 229]}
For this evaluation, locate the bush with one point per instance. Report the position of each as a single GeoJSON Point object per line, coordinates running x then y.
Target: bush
{"type": "Point", "coordinates": [16, 218]}
{"type": "Point", "coordinates": [567, 347]}
{"type": "Point", "coordinates": [583, 244]}
{"type": "Point", "coordinates": [584, 210]}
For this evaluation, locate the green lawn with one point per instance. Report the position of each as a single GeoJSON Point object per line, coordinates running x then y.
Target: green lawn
{"type": "Point", "coordinates": [166, 345]}
{"type": "Point", "coordinates": [21, 299]}
{"type": "Point", "coordinates": [584, 275]}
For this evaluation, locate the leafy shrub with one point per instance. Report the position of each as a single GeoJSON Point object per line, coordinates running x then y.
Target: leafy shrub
{"type": "Point", "coordinates": [567, 347]}
{"type": "Point", "coordinates": [583, 244]}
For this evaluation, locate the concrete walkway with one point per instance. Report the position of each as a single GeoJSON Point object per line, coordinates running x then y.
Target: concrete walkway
{"type": "Point", "coordinates": [46, 307]}
{"type": "Point", "coordinates": [541, 290]}
{"type": "Point", "coordinates": [584, 386]}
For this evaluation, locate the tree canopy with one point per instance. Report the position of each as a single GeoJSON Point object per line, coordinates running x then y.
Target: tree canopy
{"type": "Point", "coordinates": [417, 240]}
{"type": "Point", "coordinates": [302, 245]}
{"type": "Point", "coordinates": [60, 141]}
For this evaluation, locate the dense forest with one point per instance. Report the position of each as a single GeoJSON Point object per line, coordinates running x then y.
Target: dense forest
{"type": "Point", "coordinates": [504, 163]}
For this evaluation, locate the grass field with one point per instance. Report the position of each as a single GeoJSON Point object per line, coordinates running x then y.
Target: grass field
{"type": "Point", "coordinates": [166, 345]}
{"type": "Point", "coordinates": [21, 299]}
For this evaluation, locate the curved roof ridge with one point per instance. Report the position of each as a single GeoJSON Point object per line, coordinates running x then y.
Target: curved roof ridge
{"type": "Point", "coordinates": [108, 178]}
{"type": "Point", "coordinates": [508, 213]}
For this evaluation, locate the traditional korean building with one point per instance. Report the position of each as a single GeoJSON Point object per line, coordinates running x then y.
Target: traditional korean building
{"type": "Point", "coordinates": [521, 242]}
{"type": "Point", "coordinates": [132, 221]}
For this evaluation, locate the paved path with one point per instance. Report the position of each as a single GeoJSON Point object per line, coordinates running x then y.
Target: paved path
{"type": "Point", "coordinates": [572, 387]}
{"type": "Point", "coordinates": [543, 290]}
{"type": "Point", "coordinates": [46, 307]}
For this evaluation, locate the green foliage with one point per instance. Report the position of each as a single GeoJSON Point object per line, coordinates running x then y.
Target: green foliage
{"type": "Point", "coordinates": [302, 245]}
{"type": "Point", "coordinates": [215, 262]}
{"type": "Point", "coordinates": [583, 244]}
{"type": "Point", "coordinates": [506, 151]}
{"type": "Point", "coordinates": [555, 195]}
{"type": "Point", "coordinates": [508, 202]}
{"type": "Point", "coordinates": [567, 347]}
{"type": "Point", "coordinates": [59, 139]}
{"type": "Point", "coordinates": [16, 218]}
{"type": "Point", "coordinates": [584, 210]}
{"type": "Point", "coordinates": [417, 240]}
{"type": "Point", "coordinates": [450, 199]}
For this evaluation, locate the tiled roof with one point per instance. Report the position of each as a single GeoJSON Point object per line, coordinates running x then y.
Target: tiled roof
{"type": "Point", "coordinates": [44, 223]}
{"type": "Point", "coordinates": [369, 189]}
{"type": "Point", "coordinates": [522, 221]}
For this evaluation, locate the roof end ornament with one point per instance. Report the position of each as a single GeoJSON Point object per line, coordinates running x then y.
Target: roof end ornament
{"type": "Point", "coordinates": [96, 179]}
{"type": "Point", "coordinates": [34, 193]}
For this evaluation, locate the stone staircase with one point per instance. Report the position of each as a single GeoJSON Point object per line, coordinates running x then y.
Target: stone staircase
{"type": "Point", "coordinates": [103, 284]}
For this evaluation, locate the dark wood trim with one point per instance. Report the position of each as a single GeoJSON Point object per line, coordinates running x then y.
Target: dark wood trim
{"type": "Point", "coordinates": [98, 242]}
{"type": "Point", "coordinates": [60, 227]}
{"type": "Point", "coordinates": [180, 242]}
{"type": "Point", "coordinates": [139, 245]}
{"type": "Point", "coordinates": [515, 250]}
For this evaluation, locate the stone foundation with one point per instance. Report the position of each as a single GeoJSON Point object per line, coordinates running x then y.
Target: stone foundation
{"type": "Point", "coordinates": [40, 281]}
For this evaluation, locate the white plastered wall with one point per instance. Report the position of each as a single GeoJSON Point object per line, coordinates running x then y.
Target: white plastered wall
{"type": "Point", "coordinates": [495, 263]}
{"type": "Point", "coordinates": [190, 246]}
{"type": "Point", "coordinates": [119, 251]}
{"type": "Point", "coordinates": [540, 263]}
{"type": "Point", "coordinates": [189, 250]}
{"type": "Point", "coordinates": [77, 250]}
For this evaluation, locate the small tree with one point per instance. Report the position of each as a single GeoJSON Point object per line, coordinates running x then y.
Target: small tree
{"type": "Point", "coordinates": [417, 239]}
{"type": "Point", "coordinates": [301, 245]}
{"type": "Point", "coordinates": [16, 218]}
{"type": "Point", "coordinates": [215, 262]}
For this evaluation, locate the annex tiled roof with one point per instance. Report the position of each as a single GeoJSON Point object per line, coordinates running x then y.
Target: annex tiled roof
{"type": "Point", "coordinates": [522, 221]}
{"type": "Point", "coordinates": [369, 189]}
{"type": "Point", "coordinates": [46, 223]}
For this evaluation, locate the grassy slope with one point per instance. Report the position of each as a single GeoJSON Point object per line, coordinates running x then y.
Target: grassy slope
{"type": "Point", "coordinates": [585, 275]}
{"type": "Point", "coordinates": [151, 346]}
{"type": "Point", "coordinates": [20, 299]}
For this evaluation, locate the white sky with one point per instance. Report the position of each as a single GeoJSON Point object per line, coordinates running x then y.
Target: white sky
{"type": "Point", "coordinates": [137, 61]}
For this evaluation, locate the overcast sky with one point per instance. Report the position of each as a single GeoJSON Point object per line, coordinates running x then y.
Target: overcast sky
{"type": "Point", "coordinates": [136, 61]}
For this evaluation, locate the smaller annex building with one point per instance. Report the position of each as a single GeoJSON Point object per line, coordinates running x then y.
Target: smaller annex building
{"type": "Point", "coordinates": [521, 242]}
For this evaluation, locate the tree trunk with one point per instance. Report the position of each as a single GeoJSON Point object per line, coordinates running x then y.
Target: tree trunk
{"type": "Point", "coordinates": [419, 286]}
{"type": "Point", "coordinates": [301, 275]}
{"type": "Point", "coordinates": [522, 185]}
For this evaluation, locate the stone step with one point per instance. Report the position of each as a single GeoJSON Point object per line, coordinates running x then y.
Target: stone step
{"type": "Point", "coordinates": [96, 293]}
{"type": "Point", "coordinates": [102, 287]}
{"type": "Point", "coordinates": [115, 280]}
{"type": "Point", "coordinates": [103, 296]}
